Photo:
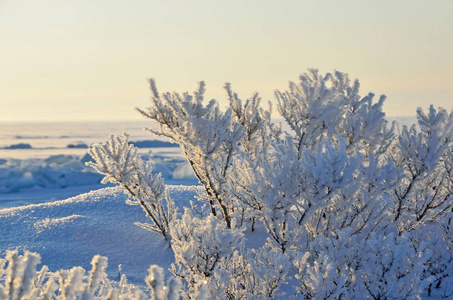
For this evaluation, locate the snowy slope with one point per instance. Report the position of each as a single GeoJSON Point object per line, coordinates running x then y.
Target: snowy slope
{"type": "Point", "coordinates": [70, 232]}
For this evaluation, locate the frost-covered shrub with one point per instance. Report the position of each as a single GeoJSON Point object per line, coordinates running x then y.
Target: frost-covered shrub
{"type": "Point", "coordinates": [340, 205]}
{"type": "Point", "coordinates": [200, 246]}
{"type": "Point", "coordinates": [20, 280]}
{"type": "Point", "coordinates": [425, 166]}
{"type": "Point", "coordinates": [380, 267]}
{"type": "Point", "coordinates": [121, 164]}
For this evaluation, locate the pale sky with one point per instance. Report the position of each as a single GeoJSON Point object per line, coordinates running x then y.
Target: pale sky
{"type": "Point", "coordinates": [90, 59]}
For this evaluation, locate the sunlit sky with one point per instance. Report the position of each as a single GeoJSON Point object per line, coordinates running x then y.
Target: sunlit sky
{"type": "Point", "coordinates": [90, 59]}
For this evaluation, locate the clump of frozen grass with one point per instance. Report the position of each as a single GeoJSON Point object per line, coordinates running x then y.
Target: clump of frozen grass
{"type": "Point", "coordinates": [20, 280]}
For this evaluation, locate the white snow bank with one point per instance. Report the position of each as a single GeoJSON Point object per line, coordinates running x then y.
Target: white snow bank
{"type": "Point", "coordinates": [70, 232]}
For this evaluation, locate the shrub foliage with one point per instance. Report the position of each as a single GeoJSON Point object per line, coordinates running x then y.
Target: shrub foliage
{"type": "Point", "coordinates": [339, 203]}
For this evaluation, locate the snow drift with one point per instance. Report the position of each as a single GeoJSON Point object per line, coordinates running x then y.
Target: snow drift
{"type": "Point", "coordinates": [70, 232]}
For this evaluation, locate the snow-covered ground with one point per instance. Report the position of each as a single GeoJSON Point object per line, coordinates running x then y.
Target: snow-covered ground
{"type": "Point", "coordinates": [53, 204]}
{"type": "Point", "coordinates": [70, 232]}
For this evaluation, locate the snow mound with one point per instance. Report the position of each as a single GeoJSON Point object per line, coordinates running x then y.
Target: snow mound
{"type": "Point", "coordinates": [70, 232]}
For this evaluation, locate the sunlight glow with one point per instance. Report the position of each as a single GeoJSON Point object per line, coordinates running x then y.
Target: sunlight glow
{"type": "Point", "coordinates": [85, 60]}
